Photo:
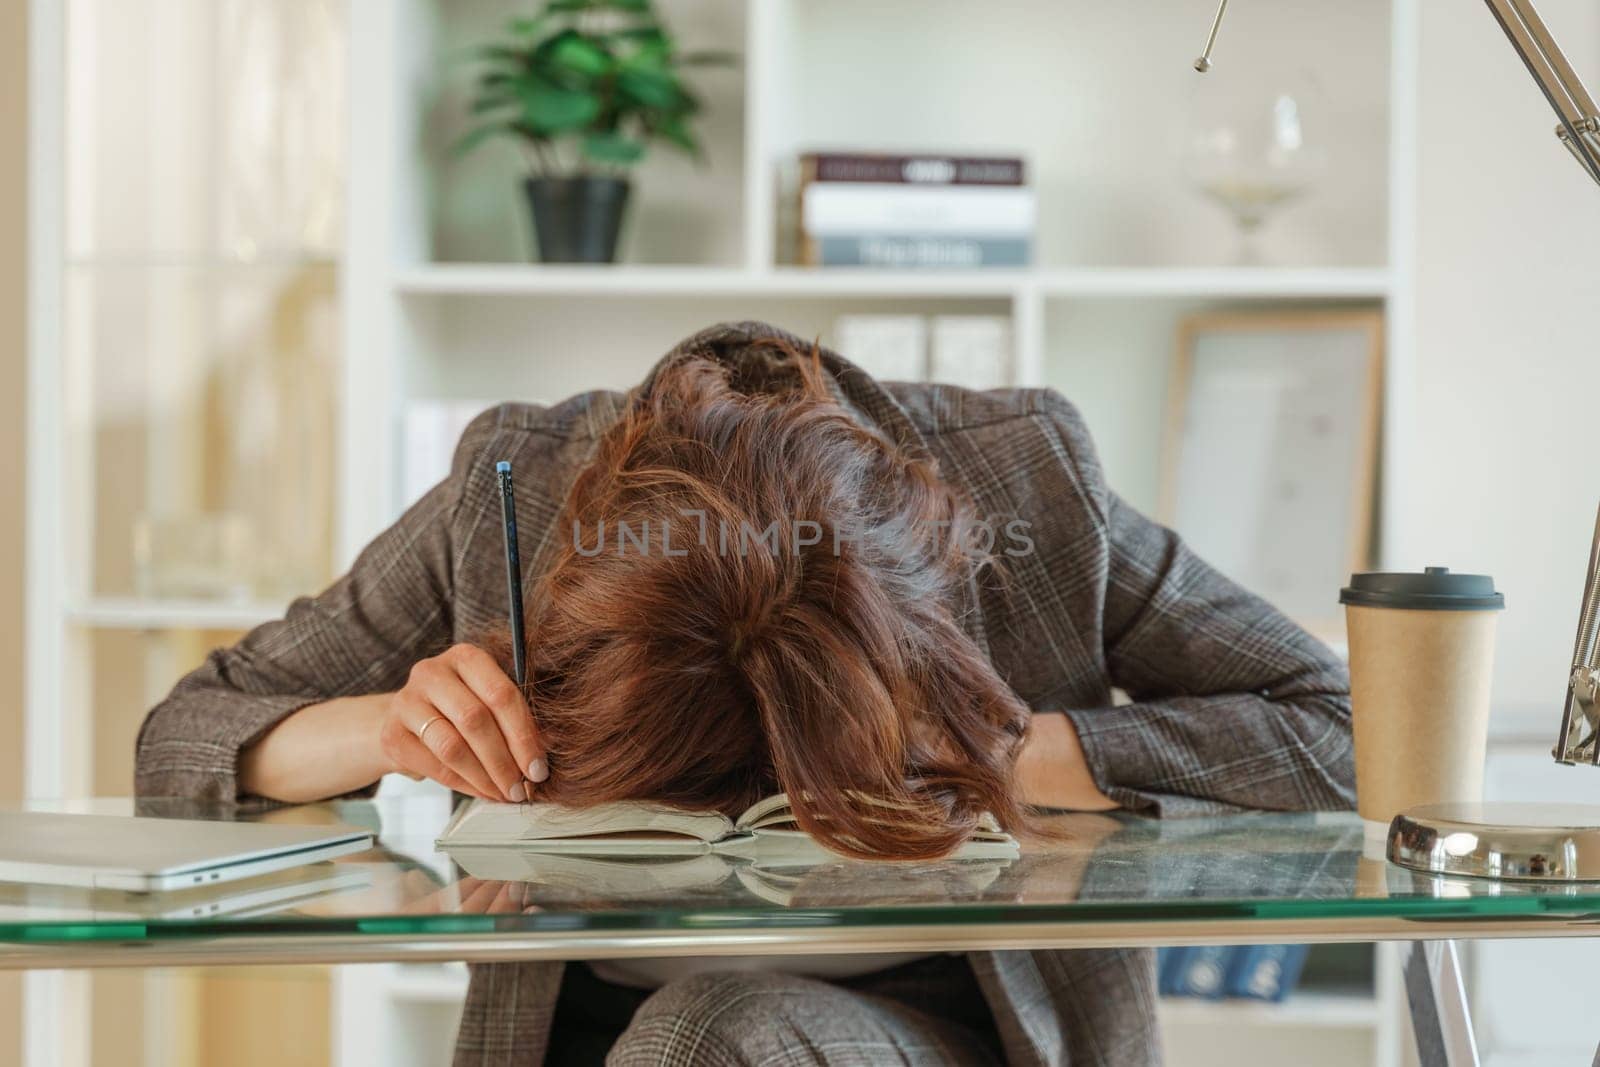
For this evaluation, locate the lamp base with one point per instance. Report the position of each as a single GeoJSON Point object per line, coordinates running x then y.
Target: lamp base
{"type": "Point", "coordinates": [1514, 842]}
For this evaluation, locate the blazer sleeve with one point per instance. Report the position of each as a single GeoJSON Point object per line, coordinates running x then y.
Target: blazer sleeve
{"type": "Point", "coordinates": [1234, 706]}
{"type": "Point", "coordinates": [360, 635]}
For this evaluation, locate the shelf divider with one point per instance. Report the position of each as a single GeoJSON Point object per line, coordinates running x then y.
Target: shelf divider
{"type": "Point", "coordinates": [1263, 283]}
{"type": "Point", "coordinates": [139, 613]}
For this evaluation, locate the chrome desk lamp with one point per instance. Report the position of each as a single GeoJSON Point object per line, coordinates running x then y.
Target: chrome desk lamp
{"type": "Point", "coordinates": [1580, 717]}
{"type": "Point", "coordinates": [1535, 842]}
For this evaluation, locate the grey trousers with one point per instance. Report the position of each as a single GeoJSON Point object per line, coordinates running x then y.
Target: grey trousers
{"type": "Point", "coordinates": [927, 1012]}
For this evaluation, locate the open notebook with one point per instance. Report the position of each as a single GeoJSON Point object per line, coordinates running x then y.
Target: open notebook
{"type": "Point", "coordinates": [767, 830]}
{"type": "Point", "coordinates": [688, 876]}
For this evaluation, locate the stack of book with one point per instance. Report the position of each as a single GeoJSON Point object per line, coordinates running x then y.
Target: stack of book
{"type": "Point", "coordinates": [914, 211]}
{"type": "Point", "coordinates": [1216, 972]}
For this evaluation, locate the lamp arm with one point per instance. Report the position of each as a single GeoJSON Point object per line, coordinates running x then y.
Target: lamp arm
{"type": "Point", "coordinates": [1580, 119]}
{"type": "Point", "coordinates": [1580, 715]}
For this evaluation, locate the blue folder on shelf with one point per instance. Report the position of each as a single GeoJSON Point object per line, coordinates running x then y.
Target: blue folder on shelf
{"type": "Point", "coordinates": [1197, 971]}
{"type": "Point", "coordinates": [1265, 972]}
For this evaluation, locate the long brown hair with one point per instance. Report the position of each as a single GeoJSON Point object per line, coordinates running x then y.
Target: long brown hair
{"type": "Point", "coordinates": [754, 592]}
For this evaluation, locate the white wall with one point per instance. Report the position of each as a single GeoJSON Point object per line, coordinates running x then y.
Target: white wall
{"type": "Point", "coordinates": [1507, 472]}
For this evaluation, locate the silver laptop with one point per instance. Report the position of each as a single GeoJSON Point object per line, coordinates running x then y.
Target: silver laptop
{"type": "Point", "coordinates": [145, 855]}
{"type": "Point", "coordinates": [267, 894]}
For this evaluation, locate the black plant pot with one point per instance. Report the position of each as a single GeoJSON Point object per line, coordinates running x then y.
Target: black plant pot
{"type": "Point", "coordinates": [577, 220]}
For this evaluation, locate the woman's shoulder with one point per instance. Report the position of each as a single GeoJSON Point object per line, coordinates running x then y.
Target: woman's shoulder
{"type": "Point", "coordinates": [582, 417]}
{"type": "Point", "coordinates": [545, 444]}
{"type": "Point", "coordinates": [542, 435]}
{"type": "Point", "coordinates": [937, 409]}
{"type": "Point", "coordinates": [1029, 445]}
{"type": "Point", "coordinates": [1017, 420]}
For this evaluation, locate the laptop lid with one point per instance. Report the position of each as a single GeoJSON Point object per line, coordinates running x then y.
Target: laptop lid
{"type": "Point", "coordinates": [139, 853]}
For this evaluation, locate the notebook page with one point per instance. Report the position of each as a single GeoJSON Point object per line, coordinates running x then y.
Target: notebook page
{"type": "Point", "coordinates": [482, 822]}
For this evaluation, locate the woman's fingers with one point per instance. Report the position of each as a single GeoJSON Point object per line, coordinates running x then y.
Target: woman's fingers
{"type": "Point", "coordinates": [477, 896]}
{"type": "Point", "coordinates": [509, 897]}
{"type": "Point", "coordinates": [417, 761]}
{"type": "Point", "coordinates": [439, 736]}
{"type": "Point", "coordinates": [471, 896]}
{"type": "Point", "coordinates": [444, 687]}
{"type": "Point", "coordinates": [482, 674]}
{"type": "Point", "coordinates": [461, 721]}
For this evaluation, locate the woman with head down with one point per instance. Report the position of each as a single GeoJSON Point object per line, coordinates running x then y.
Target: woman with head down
{"type": "Point", "coordinates": [904, 605]}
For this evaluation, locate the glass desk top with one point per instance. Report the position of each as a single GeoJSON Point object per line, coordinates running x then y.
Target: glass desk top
{"type": "Point", "coordinates": [1112, 880]}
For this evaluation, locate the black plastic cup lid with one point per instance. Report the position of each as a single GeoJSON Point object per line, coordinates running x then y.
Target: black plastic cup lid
{"type": "Point", "coordinates": [1435, 589]}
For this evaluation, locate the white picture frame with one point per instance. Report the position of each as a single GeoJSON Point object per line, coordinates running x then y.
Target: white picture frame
{"type": "Point", "coordinates": [1270, 452]}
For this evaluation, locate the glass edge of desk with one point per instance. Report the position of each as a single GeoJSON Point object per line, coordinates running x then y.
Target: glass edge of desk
{"type": "Point", "coordinates": [512, 945]}
{"type": "Point", "coordinates": [1200, 918]}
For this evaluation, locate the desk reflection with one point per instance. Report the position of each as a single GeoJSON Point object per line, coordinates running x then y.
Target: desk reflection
{"type": "Point", "coordinates": [1099, 865]}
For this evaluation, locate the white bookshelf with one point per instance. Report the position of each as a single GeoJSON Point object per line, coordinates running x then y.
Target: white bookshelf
{"type": "Point", "coordinates": [442, 303]}
{"type": "Point", "coordinates": [1310, 1009]}
{"type": "Point", "coordinates": [428, 983]}
{"type": "Point", "coordinates": [480, 280]}
{"type": "Point", "coordinates": [1248, 283]}
{"type": "Point", "coordinates": [134, 613]}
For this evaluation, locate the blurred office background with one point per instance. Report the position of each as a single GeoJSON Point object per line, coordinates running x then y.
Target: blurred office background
{"type": "Point", "coordinates": [247, 290]}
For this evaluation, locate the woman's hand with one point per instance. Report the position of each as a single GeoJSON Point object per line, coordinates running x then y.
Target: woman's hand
{"type": "Point", "coordinates": [1052, 769]}
{"type": "Point", "coordinates": [462, 722]}
{"type": "Point", "coordinates": [473, 896]}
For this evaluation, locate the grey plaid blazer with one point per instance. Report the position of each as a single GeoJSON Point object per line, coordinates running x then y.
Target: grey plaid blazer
{"type": "Point", "coordinates": [1233, 705]}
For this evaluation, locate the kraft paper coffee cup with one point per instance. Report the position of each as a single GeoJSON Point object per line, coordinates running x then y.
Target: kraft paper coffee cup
{"type": "Point", "coordinates": [1421, 658]}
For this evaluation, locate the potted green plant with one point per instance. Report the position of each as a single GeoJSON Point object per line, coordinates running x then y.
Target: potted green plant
{"type": "Point", "coordinates": [585, 86]}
